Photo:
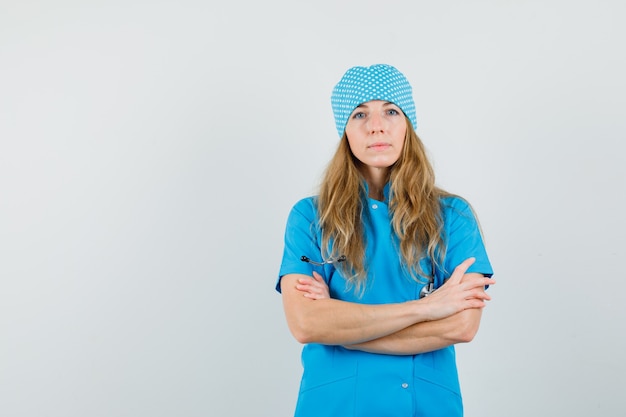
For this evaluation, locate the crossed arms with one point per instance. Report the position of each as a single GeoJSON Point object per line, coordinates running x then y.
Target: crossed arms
{"type": "Point", "coordinates": [448, 316]}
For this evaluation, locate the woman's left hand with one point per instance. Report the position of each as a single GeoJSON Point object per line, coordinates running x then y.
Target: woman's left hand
{"type": "Point", "coordinates": [314, 288]}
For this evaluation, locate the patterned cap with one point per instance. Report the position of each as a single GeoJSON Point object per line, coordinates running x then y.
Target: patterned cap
{"type": "Point", "coordinates": [377, 82]}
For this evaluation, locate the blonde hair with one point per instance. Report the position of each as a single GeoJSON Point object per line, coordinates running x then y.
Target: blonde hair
{"type": "Point", "coordinates": [414, 208]}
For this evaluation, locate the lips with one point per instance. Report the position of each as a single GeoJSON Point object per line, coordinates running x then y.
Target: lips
{"type": "Point", "coordinates": [379, 146]}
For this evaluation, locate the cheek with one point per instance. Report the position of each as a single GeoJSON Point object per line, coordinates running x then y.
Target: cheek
{"type": "Point", "coordinates": [401, 136]}
{"type": "Point", "coordinates": [350, 145]}
{"type": "Point", "coordinates": [353, 140]}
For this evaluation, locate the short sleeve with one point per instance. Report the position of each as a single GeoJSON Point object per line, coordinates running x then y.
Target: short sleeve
{"type": "Point", "coordinates": [463, 237]}
{"type": "Point", "coordinates": [301, 238]}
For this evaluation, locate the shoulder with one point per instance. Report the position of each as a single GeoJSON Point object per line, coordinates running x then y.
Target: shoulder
{"type": "Point", "coordinates": [457, 213]}
{"type": "Point", "coordinates": [306, 205]}
{"type": "Point", "coordinates": [454, 205]}
{"type": "Point", "coordinates": [305, 208]}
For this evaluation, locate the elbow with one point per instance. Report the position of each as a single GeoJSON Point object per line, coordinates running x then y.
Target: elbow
{"type": "Point", "coordinates": [303, 332]}
{"type": "Point", "coordinates": [302, 336]}
{"type": "Point", "coordinates": [466, 335]}
{"type": "Point", "coordinates": [310, 331]}
{"type": "Point", "coordinates": [467, 329]}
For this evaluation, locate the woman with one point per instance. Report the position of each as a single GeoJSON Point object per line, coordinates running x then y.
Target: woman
{"type": "Point", "coordinates": [382, 272]}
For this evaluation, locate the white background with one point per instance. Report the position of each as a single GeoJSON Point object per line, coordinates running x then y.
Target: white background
{"type": "Point", "coordinates": [151, 150]}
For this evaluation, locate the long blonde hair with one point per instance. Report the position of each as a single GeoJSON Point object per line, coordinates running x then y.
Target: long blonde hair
{"type": "Point", "coordinates": [414, 208]}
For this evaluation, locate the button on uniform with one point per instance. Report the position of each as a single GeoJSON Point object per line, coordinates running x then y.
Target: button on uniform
{"type": "Point", "coordinates": [405, 385]}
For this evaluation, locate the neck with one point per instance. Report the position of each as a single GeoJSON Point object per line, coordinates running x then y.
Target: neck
{"type": "Point", "coordinates": [376, 179]}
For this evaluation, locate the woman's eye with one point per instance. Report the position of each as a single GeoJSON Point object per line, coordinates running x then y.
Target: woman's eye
{"type": "Point", "coordinates": [358, 115]}
{"type": "Point", "coordinates": [392, 112]}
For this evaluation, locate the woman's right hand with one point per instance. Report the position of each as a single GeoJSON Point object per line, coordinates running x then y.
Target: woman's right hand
{"type": "Point", "coordinates": [460, 292]}
{"type": "Point", "coordinates": [314, 288]}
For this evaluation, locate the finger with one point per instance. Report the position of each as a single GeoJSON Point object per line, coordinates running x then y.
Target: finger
{"type": "Point", "coordinates": [477, 281]}
{"type": "Point", "coordinates": [317, 276]}
{"type": "Point", "coordinates": [312, 296]}
{"type": "Point", "coordinates": [476, 303]}
{"type": "Point", "coordinates": [301, 287]}
{"type": "Point", "coordinates": [312, 283]}
{"type": "Point", "coordinates": [315, 294]}
{"type": "Point", "coordinates": [479, 295]}
{"type": "Point", "coordinates": [460, 270]}
{"type": "Point", "coordinates": [309, 288]}
{"type": "Point", "coordinates": [307, 281]}
{"type": "Point", "coordinates": [464, 266]}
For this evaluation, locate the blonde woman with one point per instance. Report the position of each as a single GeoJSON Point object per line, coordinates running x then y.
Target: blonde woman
{"type": "Point", "coordinates": [382, 272]}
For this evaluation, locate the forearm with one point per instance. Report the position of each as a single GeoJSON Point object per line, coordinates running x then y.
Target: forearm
{"type": "Point", "coordinates": [426, 336]}
{"type": "Point", "coordinates": [337, 322]}
{"type": "Point", "coordinates": [330, 321]}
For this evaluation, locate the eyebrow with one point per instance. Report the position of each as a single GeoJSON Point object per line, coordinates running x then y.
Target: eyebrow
{"type": "Point", "coordinates": [384, 104]}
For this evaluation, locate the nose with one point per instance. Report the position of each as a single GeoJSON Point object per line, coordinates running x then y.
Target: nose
{"type": "Point", "coordinates": [375, 123]}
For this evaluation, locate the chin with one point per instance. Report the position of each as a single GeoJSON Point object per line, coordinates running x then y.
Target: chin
{"type": "Point", "coordinates": [382, 164]}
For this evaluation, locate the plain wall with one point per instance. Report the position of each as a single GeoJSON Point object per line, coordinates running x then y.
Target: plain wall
{"type": "Point", "coordinates": [150, 153]}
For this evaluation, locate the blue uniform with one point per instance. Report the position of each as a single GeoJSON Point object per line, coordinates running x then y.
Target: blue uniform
{"type": "Point", "coordinates": [341, 382]}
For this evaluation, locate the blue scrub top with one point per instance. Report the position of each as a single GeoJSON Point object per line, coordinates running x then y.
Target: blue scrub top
{"type": "Point", "coordinates": [341, 382]}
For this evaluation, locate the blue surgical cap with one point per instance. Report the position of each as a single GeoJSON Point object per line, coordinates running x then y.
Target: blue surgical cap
{"type": "Point", "coordinates": [376, 82]}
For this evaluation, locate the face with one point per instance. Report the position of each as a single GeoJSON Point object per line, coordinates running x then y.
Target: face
{"type": "Point", "coordinates": [376, 131]}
